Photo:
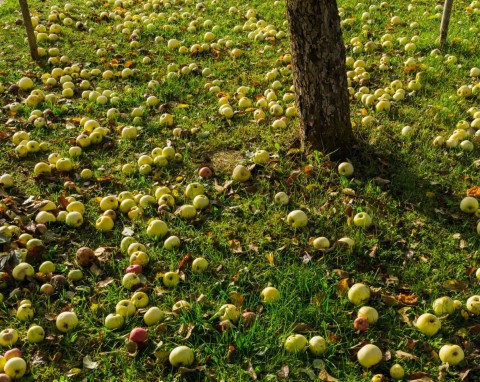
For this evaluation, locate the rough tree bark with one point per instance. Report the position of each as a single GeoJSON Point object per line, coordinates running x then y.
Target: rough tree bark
{"type": "Point", "coordinates": [447, 9]}
{"type": "Point", "coordinates": [319, 75]}
{"type": "Point", "coordinates": [32, 42]}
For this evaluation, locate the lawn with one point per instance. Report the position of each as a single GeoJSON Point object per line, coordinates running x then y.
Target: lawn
{"type": "Point", "coordinates": [154, 102]}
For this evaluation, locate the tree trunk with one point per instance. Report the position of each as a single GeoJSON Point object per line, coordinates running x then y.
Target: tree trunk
{"type": "Point", "coordinates": [319, 75]}
{"type": "Point", "coordinates": [32, 42]}
{"type": "Point", "coordinates": [447, 9]}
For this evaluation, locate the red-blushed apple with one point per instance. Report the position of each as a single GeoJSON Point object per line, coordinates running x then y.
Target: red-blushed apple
{"type": "Point", "coordinates": [135, 268]}
{"type": "Point", "coordinates": [248, 318]}
{"type": "Point", "coordinates": [451, 354]}
{"type": "Point", "coordinates": [15, 352]}
{"type": "Point", "coordinates": [5, 378]}
{"type": "Point", "coordinates": [225, 326]}
{"type": "Point", "coordinates": [205, 172]}
{"type": "Point", "coordinates": [85, 256]}
{"type": "Point", "coordinates": [138, 335]}
{"type": "Point", "coordinates": [181, 356]}
{"type": "Point", "coordinates": [369, 355]}
{"type": "Point", "coordinates": [360, 324]}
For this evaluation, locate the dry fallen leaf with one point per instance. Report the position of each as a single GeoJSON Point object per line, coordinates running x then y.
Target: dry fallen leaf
{"type": "Point", "coordinates": [325, 377]}
{"type": "Point", "coordinates": [405, 355]}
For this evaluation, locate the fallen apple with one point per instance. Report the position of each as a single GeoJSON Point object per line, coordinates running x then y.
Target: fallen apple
{"type": "Point", "coordinates": [451, 354]}
{"type": "Point", "coordinates": [345, 169]}
{"type": "Point", "coordinates": [369, 313]}
{"type": "Point", "coordinates": [359, 294]}
{"type": "Point", "coordinates": [428, 324]}
{"type": "Point", "coordinates": [369, 355]}
{"type": "Point", "coordinates": [114, 321]}
{"type": "Point", "coordinates": [15, 368]}
{"type": "Point", "coordinates": [125, 308]}
{"type": "Point", "coordinates": [66, 321]}
{"type": "Point", "coordinates": [35, 334]}
{"type": "Point", "coordinates": [181, 356]}
{"type": "Point", "coordinates": [171, 279]}
{"type": "Point", "coordinates": [139, 299]}
{"type": "Point", "coordinates": [199, 265]}
{"type": "Point", "coordinates": [360, 324]}
{"type": "Point", "coordinates": [397, 371]}
{"type": "Point", "coordinates": [153, 316]}
{"type": "Point", "coordinates": [138, 335]}
{"type": "Point", "coordinates": [297, 219]}
{"type": "Point", "coordinates": [469, 205]}
{"type": "Point", "coordinates": [317, 345]}
{"type": "Point", "coordinates": [295, 343]}
{"type": "Point", "coordinates": [241, 173]}
{"type": "Point", "coordinates": [473, 305]}
{"type": "Point", "coordinates": [443, 305]}
{"type": "Point", "coordinates": [362, 219]}
{"type": "Point", "coordinates": [270, 295]}
{"type": "Point", "coordinates": [8, 337]}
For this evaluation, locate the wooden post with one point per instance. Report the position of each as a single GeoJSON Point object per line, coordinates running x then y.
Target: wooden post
{"type": "Point", "coordinates": [29, 27]}
{"type": "Point", "coordinates": [447, 8]}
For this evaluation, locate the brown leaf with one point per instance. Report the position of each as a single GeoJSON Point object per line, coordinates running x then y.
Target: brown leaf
{"type": "Point", "coordinates": [455, 285]}
{"type": "Point", "coordinates": [404, 313]}
{"type": "Point", "coordinates": [62, 201]}
{"type": "Point", "coordinates": [303, 328]}
{"type": "Point", "coordinates": [475, 329]}
{"type": "Point", "coordinates": [402, 354]}
{"type": "Point", "coordinates": [373, 251]}
{"type": "Point", "coordinates": [235, 245]}
{"type": "Point", "coordinates": [341, 274]}
{"type": "Point", "coordinates": [342, 286]}
{"type": "Point", "coordinates": [104, 283]}
{"type": "Point", "coordinates": [231, 353]}
{"type": "Point", "coordinates": [283, 372]}
{"type": "Point", "coordinates": [408, 299]}
{"type": "Point", "coordinates": [292, 177]}
{"type": "Point", "coordinates": [388, 300]}
{"type": "Point", "coordinates": [474, 191]}
{"type": "Point", "coordinates": [318, 298]}
{"type": "Point", "coordinates": [187, 259]}
{"type": "Point", "coordinates": [325, 377]}
{"type": "Point", "coordinates": [420, 376]}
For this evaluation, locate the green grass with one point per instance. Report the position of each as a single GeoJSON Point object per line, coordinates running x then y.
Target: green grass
{"type": "Point", "coordinates": [412, 189]}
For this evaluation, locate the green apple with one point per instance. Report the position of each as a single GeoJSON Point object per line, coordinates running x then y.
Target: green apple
{"type": "Point", "coordinates": [139, 299]}
{"type": "Point", "coordinates": [74, 219]}
{"type": "Point", "coordinates": [181, 356]}
{"type": "Point", "coordinates": [451, 354]}
{"type": "Point", "coordinates": [6, 180]}
{"type": "Point", "coordinates": [153, 316]}
{"type": "Point", "coordinates": [200, 202]}
{"type": "Point", "coordinates": [15, 367]}
{"type": "Point", "coordinates": [42, 168]}
{"type": "Point", "coordinates": [64, 165]}
{"type": "Point", "coordinates": [345, 169]}
{"type": "Point", "coordinates": [114, 321]}
{"type": "Point", "coordinates": [281, 198]}
{"type": "Point", "coordinates": [229, 312]}
{"type": "Point", "coordinates": [140, 258]}
{"type": "Point", "coordinates": [199, 265]}
{"type": "Point", "coordinates": [126, 242]}
{"type": "Point", "coordinates": [270, 295]}
{"type": "Point", "coordinates": [171, 279]}
{"type": "Point", "coordinates": [194, 189]}
{"type": "Point", "coordinates": [473, 304]}
{"type": "Point", "coordinates": [47, 267]}
{"type": "Point", "coordinates": [25, 312]}
{"type": "Point", "coordinates": [171, 242]}
{"type": "Point", "coordinates": [22, 270]}
{"type": "Point", "coordinates": [369, 313]}
{"type": "Point", "coordinates": [397, 371]}
{"type": "Point", "coordinates": [35, 334]}
{"type": "Point", "coordinates": [8, 337]}
{"type": "Point", "coordinates": [346, 241]}
{"type": "Point", "coordinates": [295, 343]}
{"type": "Point", "coordinates": [321, 243]}
{"type": "Point", "coordinates": [469, 204]}
{"type": "Point", "coordinates": [125, 308]}
{"type": "Point", "coordinates": [359, 294]}
{"type": "Point", "coordinates": [104, 223]}
{"type": "Point", "coordinates": [25, 83]}
{"type": "Point", "coordinates": [130, 280]}
{"type": "Point", "coordinates": [428, 324]}
{"type": "Point", "coordinates": [261, 157]}
{"type": "Point", "coordinates": [180, 305]}
{"type": "Point", "coordinates": [297, 219]}
{"type": "Point", "coordinates": [44, 217]}
{"type": "Point", "coordinates": [443, 305]}
{"type": "Point", "coordinates": [75, 275]}
{"type": "Point", "coordinates": [135, 247]}
{"type": "Point", "coordinates": [362, 219]}
{"type": "Point", "coordinates": [187, 212]}
{"type": "Point", "coordinates": [317, 345]}
{"type": "Point", "coordinates": [109, 203]}
{"type": "Point", "coordinates": [66, 321]}
{"type": "Point", "coordinates": [369, 355]}
{"type": "Point", "coordinates": [241, 173]}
